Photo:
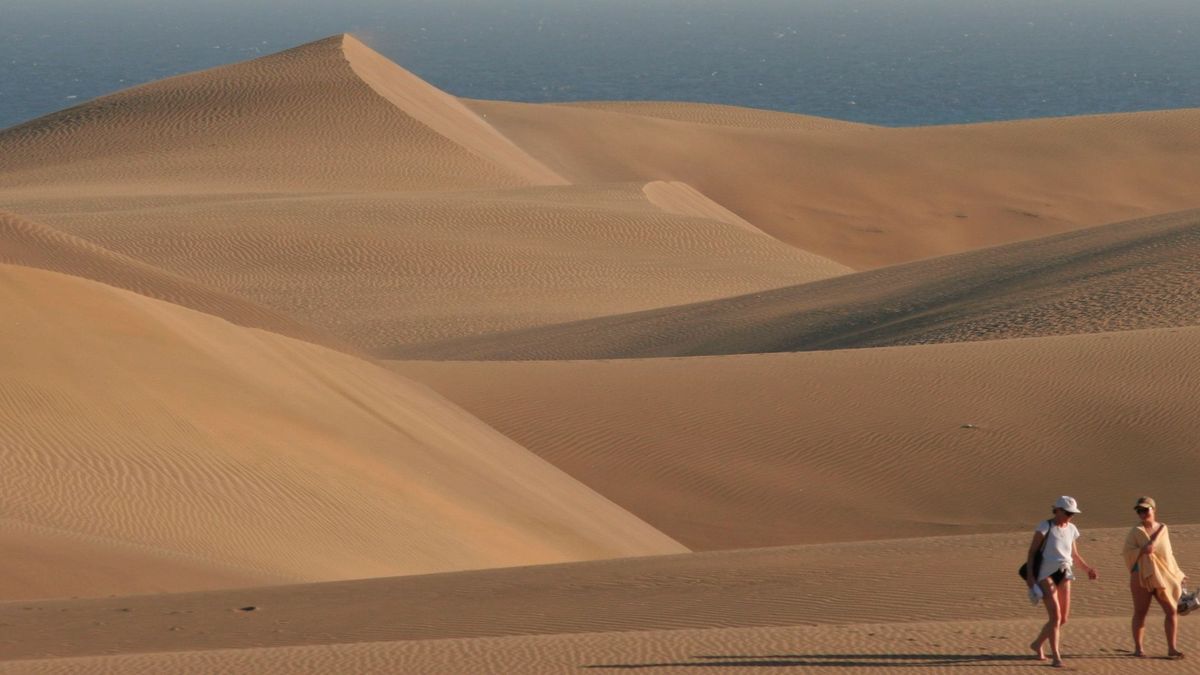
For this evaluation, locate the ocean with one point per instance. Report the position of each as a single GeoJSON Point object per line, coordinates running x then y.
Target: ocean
{"type": "Point", "coordinates": [888, 62]}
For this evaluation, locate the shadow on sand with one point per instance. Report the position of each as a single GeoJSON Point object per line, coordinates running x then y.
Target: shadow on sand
{"type": "Point", "coordinates": [847, 661]}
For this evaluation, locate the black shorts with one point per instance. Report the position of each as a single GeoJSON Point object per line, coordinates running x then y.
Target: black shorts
{"type": "Point", "coordinates": [1058, 577]}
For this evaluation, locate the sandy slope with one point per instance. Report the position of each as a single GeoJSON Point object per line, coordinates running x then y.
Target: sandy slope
{"type": "Point", "coordinates": [869, 196]}
{"type": "Point", "coordinates": [385, 270]}
{"type": "Point", "coordinates": [341, 191]}
{"type": "Point", "coordinates": [883, 587]}
{"type": "Point", "coordinates": [330, 113]}
{"type": "Point", "coordinates": [1093, 645]}
{"type": "Point", "coordinates": [31, 244]}
{"type": "Point", "coordinates": [133, 420]}
{"type": "Point", "coordinates": [755, 450]}
{"type": "Point", "coordinates": [1124, 276]}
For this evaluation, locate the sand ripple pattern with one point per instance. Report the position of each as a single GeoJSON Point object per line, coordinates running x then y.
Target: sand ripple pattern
{"type": "Point", "coordinates": [24, 242]}
{"type": "Point", "coordinates": [282, 122]}
{"type": "Point", "coordinates": [1125, 276]}
{"type": "Point", "coordinates": [134, 420]}
{"type": "Point", "coordinates": [386, 270]}
{"type": "Point", "coordinates": [759, 450]}
{"type": "Point", "coordinates": [884, 585]}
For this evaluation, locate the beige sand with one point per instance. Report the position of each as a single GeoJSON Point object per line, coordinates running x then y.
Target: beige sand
{"type": "Point", "coordinates": [883, 588]}
{"type": "Point", "coordinates": [769, 449]}
{"type": "Point", "coordinates": [386, 270]}
{"type": "Point", "coordinates": [869, 196]}
{"type": "Point", "coordinates": [1096, 646]}
{"type": "Point", "coordinates": [32, 244]}
{"type": "Point", "coordinates": [191, 272]}
{"type": "Point", "coordinates": [137, 421]}
{"type": "Point", "coordinates": [1124, 276]}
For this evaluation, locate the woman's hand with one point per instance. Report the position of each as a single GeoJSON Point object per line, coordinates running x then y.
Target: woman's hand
{"type": "Point", "coordinates": [1148, 549]}
{"type": "Point", "coordinates": [1093, 574]}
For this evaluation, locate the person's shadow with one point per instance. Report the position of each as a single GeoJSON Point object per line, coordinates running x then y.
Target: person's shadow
{"type": "Point", "coordinates": [843, 661]}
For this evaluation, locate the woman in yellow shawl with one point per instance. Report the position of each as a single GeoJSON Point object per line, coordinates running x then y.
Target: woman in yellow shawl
{"type": "Point", "coordinates": [1153, 574]}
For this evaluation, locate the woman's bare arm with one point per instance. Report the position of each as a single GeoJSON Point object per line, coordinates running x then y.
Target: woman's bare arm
{"type": "Point", "coordinates": [1091, 571]}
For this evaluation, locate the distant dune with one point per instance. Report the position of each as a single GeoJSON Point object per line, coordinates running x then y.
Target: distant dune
{"type": "Point", "coordinates": [24, 242]}
{"type": "Point", "coordinates": [131, 420]}
{"type": "Point", "coordinates": [331, 113]}
{"type": "Point", "coordinates": [870, 196]}
{"type": "Point", "coordinates": [227, 300]}
{"type": "Point", "coordinates": [384, 270]}
{"type": "Point", "coordinates": [1125, 276]}
{"type": "Point", "coordinates": [773, 449]}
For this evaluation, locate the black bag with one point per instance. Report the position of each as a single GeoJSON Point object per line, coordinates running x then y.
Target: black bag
{"type": "Point", "coordinates": [1037, 557]}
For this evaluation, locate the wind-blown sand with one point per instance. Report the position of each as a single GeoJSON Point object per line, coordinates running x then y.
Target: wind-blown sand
{"type": "Point", "coordinates": [871, 196]}
{"type": "Point", "coordinates": [196, 275]}
{"type": "Point", "coordinates": [387, 270]}
{"type": "Point", "coordinates": [771, 449]}
{"type": "Point", "coordinates": [128, 419]}
{"type": "Point", "coordinates": [783, 593]}
{"type": "Point", "coordinates": [1125, 276]}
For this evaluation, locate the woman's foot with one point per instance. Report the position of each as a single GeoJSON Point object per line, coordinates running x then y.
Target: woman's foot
{"type": "Point", "coordinates": [1058, 663]}
{"type": "Point", "coordinates": [1174, 654]}
{"type": "Point", "coordinates": [1037, 649]}
{"type": "Point", "coordinates": [1139, 653]}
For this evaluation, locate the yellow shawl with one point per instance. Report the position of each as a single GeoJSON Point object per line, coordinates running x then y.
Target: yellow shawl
{"type": "Point", "coordinates": [1157, 570]}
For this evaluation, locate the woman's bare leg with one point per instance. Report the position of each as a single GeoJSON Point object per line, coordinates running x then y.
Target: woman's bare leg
{"type": "Point", "coordinates": [1050, 632]}
{"type": "Point", "coordinates": [1171, 623]}
{"type": "Point", "coordinates": [1141, 605]}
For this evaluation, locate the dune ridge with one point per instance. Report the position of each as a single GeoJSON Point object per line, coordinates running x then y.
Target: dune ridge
{"type": "Point", "coordinates": [870, 196]}
{"type": "Point", "coordinates": [1125, 276]}
{"type": "Point", "coordinates": [727, 451]}
{"type": "Point", "coordinates": [138, 421]}
{"type": "Point", "coordinates": [31, 244]}
{"type": "Point", "coordinates": [296, 119]}
{"type": "Point", "coordinates": [384, 270]}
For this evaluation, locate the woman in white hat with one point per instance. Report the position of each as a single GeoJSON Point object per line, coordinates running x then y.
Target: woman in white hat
{"type": "Point", "coordinates": [1056, 540]}
{"type": "Point", "coordinates": [1153, 574]}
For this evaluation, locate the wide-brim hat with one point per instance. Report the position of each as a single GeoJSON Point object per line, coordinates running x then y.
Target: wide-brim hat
{"type": "Point", "coordinates": [1067, 504]}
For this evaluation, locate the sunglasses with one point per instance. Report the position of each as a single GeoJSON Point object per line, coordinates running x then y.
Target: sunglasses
{"type": "Point", "coordinates": [1142, 511]}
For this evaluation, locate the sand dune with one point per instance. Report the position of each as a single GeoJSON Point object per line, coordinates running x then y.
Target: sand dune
{"type": "Point", "coordinates": [870, 196]}
{"type": "Point", "coordinates": [878, 583]}
{"type": "Point", "coordinates": [388, 269]}
{"type": "Point", "coordinates": [719, 115]}
{"type": "Point", "coordinates": [757, 450]}
{"type": "Point", "coordinates": [141, 422]}
{"type": "Point", "coordinates": [331, 113]}
{"type": "Point", "coordinates": [1125, 276]}
{"type": "Point", "coordinates": [42, 562]}
{"type": "Point", "coordinates": [173, 419]}
{"type": "Point", "coordinates": [24, 242]}
{"type": "Point", "coordinates": [1094, 645]}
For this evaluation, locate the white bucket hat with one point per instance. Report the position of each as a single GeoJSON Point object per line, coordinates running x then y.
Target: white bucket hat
{"type": "Point", "coordinates": [1067, 504]}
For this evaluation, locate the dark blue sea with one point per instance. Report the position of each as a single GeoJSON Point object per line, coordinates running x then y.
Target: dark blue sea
{"type": "Point", "coordinates": [890, 62]}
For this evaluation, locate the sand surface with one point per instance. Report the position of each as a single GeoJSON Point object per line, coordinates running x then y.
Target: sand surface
{"type": "Point", "coordinates": [662, 603]}
{"type": "Point", "coordinates": [226, 444]}
{"type": "Point", "coordinates": [1125, 276]}
{"type": "Point", "coordinates": [131, 419]}
{"type": "Point", "coordinates": [770, 449]}
{"type": "Point", "coordinates": [869, 196]}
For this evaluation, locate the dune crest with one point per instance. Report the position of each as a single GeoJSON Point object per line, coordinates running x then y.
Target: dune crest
{"type": "Point", "coordinates": [442, 112]}
{"type": "Point", "coordinates": [31, 244]}
{"type": "Point", "coordinates": [725, 451]}
{"type": "Point", "coordinates": [867, 196]}
{"type": "Point", "coordinates": [138, 421]}
{"type": "Point", "coordinates": [681, 198]}
{"type": "Point", "coordinates": [1125, 276]}
{"type": "Point", "coordinates": [287, 122]}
